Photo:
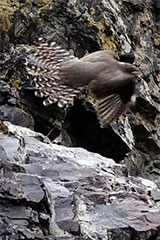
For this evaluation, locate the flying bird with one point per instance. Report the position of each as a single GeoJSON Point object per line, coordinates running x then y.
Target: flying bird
{"type": "Point", "coordinates": [59, 76]}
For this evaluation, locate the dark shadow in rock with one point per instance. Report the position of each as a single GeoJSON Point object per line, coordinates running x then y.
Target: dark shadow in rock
{"type": "Point", "coordinates": [85, 132]}
{"type": "Point", "coordinates": [47, 119]}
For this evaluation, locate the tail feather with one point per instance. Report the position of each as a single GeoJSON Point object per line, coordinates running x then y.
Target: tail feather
{"type": "Point", "coordinates": [43, 63]}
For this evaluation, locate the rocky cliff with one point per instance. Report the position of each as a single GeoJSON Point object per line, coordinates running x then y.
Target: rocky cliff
{"type": "Point", "coordinates": [52, 192]}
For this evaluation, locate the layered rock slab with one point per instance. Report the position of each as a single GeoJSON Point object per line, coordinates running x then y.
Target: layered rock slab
{"type": "Point", "coordinates": [49, 191]}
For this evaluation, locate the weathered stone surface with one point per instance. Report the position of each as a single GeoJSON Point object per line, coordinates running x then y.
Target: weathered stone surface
{"type": "Point", "coordinates": [53, 192]}
{"type": "Point", "coordinates": [130, 28]}
{"type": "Point", "coordinates": [16, 116]}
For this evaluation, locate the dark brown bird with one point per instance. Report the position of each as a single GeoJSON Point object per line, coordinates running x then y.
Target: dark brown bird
{"type": "Point", "coordinates": [58, 77]}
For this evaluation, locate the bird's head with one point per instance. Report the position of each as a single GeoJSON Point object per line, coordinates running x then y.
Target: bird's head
{"type": "Point", "coordinates": [129, 68]}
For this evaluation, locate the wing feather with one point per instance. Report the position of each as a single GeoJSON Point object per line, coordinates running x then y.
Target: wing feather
{"type": "Point", "coordinates": [110, 108]}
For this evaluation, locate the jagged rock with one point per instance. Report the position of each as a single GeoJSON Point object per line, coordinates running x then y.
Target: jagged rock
{"type": "Point", "coordinates": [16, 116]}
{"type": "Point", "coordinates": [131, 29]}
{"type": "Point", "coordinates": [54, 192]}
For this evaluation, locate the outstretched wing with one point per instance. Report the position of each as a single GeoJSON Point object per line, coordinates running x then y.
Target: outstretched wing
{"type": "Point", "coordinates": [115, 98]}
{"type": "Point", "coordinates": [44, 62]}
{"type": "Point", "coordinates": [110, 108]}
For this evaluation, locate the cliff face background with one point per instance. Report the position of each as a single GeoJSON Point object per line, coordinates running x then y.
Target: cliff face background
{"type": "Point", "coordinates": [131, 28]}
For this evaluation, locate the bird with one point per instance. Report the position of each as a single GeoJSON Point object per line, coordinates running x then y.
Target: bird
{"type": "Point", "coordinates": [59, 76]}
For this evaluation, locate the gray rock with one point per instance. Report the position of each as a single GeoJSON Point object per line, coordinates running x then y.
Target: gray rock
{"type": "Point", "coordinates": [16, 116]}
{"type": "Point", "coordinates": [50, 191]}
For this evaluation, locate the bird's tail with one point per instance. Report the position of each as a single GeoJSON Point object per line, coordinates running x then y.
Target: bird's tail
{"type": "Point", "coordinates": [43, 63]}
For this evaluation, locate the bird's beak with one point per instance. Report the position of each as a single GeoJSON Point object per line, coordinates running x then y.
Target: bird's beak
{"type": "Point", "coordinates": [136, 71]}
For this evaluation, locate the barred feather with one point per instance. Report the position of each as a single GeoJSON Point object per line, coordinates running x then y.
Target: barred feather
{"type": "Point", "coordinates": [43, 63]}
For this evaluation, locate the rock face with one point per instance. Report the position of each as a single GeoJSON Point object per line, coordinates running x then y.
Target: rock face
{"type": "Point", "coordinates": [53, 192]}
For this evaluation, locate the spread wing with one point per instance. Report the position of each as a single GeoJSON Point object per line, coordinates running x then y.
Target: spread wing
{"type": "Point", "coordinates": [113, 97]}
{"type": "Point", "coordinates": [110, 108]}
{"type": "Point", "coordinates": [44, 62]}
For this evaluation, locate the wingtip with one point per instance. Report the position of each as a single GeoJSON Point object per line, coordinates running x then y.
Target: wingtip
{"type": "Point", "coordinates": [110, 109]}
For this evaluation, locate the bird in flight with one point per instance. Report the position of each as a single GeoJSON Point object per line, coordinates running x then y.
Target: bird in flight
{"type": "Point", "coordinates": [59, 76]}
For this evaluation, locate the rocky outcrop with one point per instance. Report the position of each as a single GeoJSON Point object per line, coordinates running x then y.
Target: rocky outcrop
{"type": "Point", "coordinates": [130, 28]}
{"type": "Point", "coordinates": [54, 192]}
{"type": "Point", "coordinates": [35, 201]}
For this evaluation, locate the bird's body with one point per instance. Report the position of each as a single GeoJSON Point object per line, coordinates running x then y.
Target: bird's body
{"type": "Point", "coordinates": [58, 77]}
